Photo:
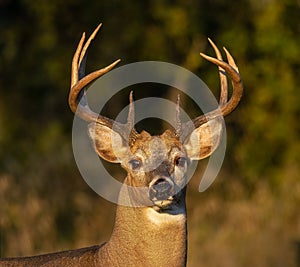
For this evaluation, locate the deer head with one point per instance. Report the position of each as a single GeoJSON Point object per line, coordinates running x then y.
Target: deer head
{"type": "Point", "coordinates": [155, 163]}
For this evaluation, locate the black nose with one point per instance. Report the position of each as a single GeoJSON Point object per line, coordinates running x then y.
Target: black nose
{"type": "Point", "coordinates": [161, 189]}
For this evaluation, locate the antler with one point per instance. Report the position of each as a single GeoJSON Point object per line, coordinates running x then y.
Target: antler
{"type": "Point", "coordinates": [231, 69]}
{"type": "Point", "coordinates": [79, 82]}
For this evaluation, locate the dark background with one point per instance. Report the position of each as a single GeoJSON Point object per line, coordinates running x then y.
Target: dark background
{"type": "Point", "coordinates": [248, 217]}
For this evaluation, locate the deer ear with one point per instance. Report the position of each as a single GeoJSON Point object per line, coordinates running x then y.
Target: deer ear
{"type": "Point", "coordinates": [204, 140]}
{"type": "Point", "coordinates": [108, 144]}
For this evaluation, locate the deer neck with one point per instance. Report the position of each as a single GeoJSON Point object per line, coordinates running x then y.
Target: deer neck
{"type": "Point", "coordinates": [145, 237]}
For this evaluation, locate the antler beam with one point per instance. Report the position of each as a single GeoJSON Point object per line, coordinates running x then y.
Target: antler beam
{"type": "Point", "coordinates": [79, 82]}
{"type": "Point", "coordinates": [231, 69]}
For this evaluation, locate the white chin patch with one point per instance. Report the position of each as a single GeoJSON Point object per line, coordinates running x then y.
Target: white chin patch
{"type": "Point", "coordinates": [159, 218]}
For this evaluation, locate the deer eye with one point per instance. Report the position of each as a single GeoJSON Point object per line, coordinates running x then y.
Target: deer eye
{"type": "Point", "coordinates": [135, 164]}
{"type": "Point", "coordinates": [180, 161]}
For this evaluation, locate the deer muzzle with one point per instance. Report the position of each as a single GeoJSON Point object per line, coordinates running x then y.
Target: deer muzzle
{"type": "Point", "coordinates": [161, 191]}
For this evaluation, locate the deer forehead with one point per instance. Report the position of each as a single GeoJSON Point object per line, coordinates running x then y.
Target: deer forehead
{"type": "Point", "coordinates": [156, 147]}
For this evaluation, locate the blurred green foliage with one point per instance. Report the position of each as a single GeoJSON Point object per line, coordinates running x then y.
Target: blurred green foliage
{"type": "Point", "coordinates": [250, 215]}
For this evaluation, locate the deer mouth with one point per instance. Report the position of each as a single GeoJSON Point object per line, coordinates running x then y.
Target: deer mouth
{"type": "Point", "coordinates": [164, 205]}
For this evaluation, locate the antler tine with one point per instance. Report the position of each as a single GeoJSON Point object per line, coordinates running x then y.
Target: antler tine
{"type": "Point", "coordinates": [130, 117]}
{"type": "Point", "coordinates": [77, 98]}
{"type": "Point", "coordinates": [230, 59]}
{"type": "Point", "coordinates": [75, 61]}
{"type": "Point", "coordinates": [129, 129]}
{"type": "Point", "coordinates": [87, 44]}
{"type": "Point", "coordinates": [223, 78]}
{"type": "Point", "coordinates": [178, 121]}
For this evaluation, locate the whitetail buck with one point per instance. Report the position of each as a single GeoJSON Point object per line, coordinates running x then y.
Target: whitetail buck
{"type": "Point", "coordinates": [154, 235]}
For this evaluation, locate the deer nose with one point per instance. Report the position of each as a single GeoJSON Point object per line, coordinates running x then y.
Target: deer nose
{"type": "Point", "coordinates": [161, 189]}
